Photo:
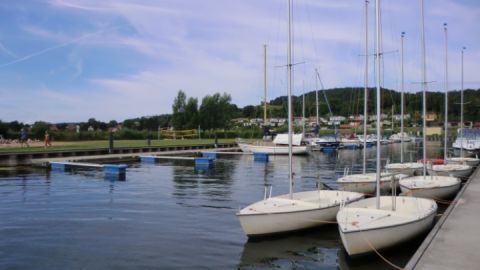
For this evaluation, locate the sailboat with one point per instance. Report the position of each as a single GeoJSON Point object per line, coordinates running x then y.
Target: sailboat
{"type": "Point", "coordinates": [295, 210]}
{"type": "Point", "coordinates": [470, 161]}
{"type": "Point", "coordinates": [366, 182]}
{"type": "Point", "coordinates": [453, 169]}
{"type": "Point", "coordinates": [279, 145]}
{"type": "Point", "coordinates": [327, 142]}
{"type": "Point", "coordinates": [382, 221]}
{"type": "Point", "coordinates": [437, 185]}
{"type": "Point", "coordinates": [408, 168]}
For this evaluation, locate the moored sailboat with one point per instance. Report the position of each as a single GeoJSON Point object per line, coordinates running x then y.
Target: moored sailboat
{"type": "Point", "coordinates": [382, 221]}
{"type": "Point", "coordinates": [292, 211]}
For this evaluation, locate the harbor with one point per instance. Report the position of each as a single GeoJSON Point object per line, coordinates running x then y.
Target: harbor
{"type": "Point", "coordinates": [158, 203]}
{"type": "Point", "coordinates": [240, 135]}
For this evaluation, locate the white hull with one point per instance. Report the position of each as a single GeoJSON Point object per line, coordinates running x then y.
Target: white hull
{"type": "Point", "coordinates": [470, 161]}
{"type": "Point", "coordinates": [279, 214]}
{"type": "Point", "coordinates": [363, 227]}
{"type": "Point", "coordinates": [366, 183]}
{"type": "Point", "coordinates": [441, 192]}
{"type": "Point", "coordinates": [455, 170]}
{"type": "Point", "coordinates": [409, 168]}
{"type": "Point", "coordinates": [434, 187]}
{"type": "Point", "coordinates": [274, 149]}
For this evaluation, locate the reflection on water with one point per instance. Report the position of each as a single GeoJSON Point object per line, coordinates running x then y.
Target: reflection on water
{"type": "Point", "coordinates": [171, 215]}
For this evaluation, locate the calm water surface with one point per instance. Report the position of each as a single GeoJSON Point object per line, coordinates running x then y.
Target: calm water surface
{"type": "Point", "coordinates": [169, 215]}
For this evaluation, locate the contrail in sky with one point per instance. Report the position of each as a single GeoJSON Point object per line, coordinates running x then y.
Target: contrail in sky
{"type": "Point", "coordinates": [47, 49]}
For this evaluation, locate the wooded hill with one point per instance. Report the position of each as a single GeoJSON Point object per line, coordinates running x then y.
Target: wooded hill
{"type": "Point", "coordinates": [349, 101]}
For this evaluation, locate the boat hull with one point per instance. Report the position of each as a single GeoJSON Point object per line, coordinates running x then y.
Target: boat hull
{"type": "Point", "coordinates": [364, 228]}
{"type": "Point", "coordinates": [437, 193]}
{"type": "Point", "coordinates": [361, 242]}
{"type": "Point", "coordinates": [280, 214]}
{"type": "Point", "coordinates": [460, 173]}
{"type": "Point", "coordinates": [273, 150]}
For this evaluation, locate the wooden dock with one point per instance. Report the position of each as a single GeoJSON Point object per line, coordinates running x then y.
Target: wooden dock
{"type": "Point", "coordinates": [454, 242]}
{"type": "Point", "coordinates": [114, 158]}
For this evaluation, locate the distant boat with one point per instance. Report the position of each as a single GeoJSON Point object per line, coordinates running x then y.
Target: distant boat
{"type": "Point", "coordinates": [279, 145]}
{"type": "Point", "coordinates": [400, 137]}
{"type": "Point", "coordinates": [292, 211]}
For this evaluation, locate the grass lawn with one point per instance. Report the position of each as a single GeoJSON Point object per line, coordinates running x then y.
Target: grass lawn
{"type": "Point", "coordinates": [38, 146]}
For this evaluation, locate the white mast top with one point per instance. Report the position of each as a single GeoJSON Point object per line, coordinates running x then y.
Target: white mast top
{"type": "Point", "coordinates": [402, 101]}
{"type": "Point", "coordinates": [365, 93]}
{"type": "Point", "coordinates": [445, 153]}
{"type": "Point", "coordinates": [265, 84]}
{"type": "Point", "coordinates": [461, 109]}
{"type": "Point", "coordinates": [377, 79]}
{"type": "Point", "coordinates": [289, 68]}
{"type": "Point", "coordinates": [424, 90]}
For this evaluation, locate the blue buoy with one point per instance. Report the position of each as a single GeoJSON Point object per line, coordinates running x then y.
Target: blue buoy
{"type": "Point", "coordinates": [260, 156]}
{"type": "Point", "coordinates": [115, 168]}
{"type": "Point", "coordinates": [148, 159]}
{"type": "Point", "coordinates": [58, 166]}
{"type": "Point", "coordinates": [211, 155]}
{"type": "Point", "coordinates": [203, 161]}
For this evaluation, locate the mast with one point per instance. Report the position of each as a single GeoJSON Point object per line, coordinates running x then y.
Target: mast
{"type": "Point", "coordinates": [265, 85]}
{"type": "Point", "coordinates": [401, 100]}
{"type": "Point", "coordinates": [316, 101]}
{"type": "Point", "coordinates": [289, 70]}
{"type": "Point", "coordinates": [446, 94]}
{"type": "Point", "coordinates": [424, 90]}
{"type": "Point", "coordinates": [365, 93]}
{"type": "Point", "coordinates": [377, 79]}
{"type": "Point", "coordinates": [461, 109]}
{"type": "Point", "coordinates": [303, 108]}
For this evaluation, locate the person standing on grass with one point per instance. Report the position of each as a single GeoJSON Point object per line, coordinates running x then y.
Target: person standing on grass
{"type": "Point", "coordinates": [47, 140]}
{"type": "Point", "coordinates": [23, 137]}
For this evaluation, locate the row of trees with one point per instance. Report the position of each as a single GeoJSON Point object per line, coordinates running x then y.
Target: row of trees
{"type": "Point", "coordinates": [215, 112]}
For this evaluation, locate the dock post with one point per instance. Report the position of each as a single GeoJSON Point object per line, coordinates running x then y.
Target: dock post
{"type": "Point", "coordinates": [110, 142]}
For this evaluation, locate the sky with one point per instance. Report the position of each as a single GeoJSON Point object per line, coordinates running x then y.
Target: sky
{"type": "Point", "coordinates": [70, 60]}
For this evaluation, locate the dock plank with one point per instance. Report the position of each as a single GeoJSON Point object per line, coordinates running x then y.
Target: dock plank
{"type": "Point", "coordinates": [455, 242]}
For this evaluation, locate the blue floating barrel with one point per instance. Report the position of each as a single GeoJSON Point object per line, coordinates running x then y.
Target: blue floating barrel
{"type": "Point", "coordinates": [148, 159]}
{"type": "Point", "coordinates": [203, 161]}
{"type": "Point", "coordinates": [58, 166]}
{"type": "Point", "coordinates": [260, 156]}
{"type": "Point", "coordinates": [115, 168]}
{"type": "Point", "coordinates": [211, 155]}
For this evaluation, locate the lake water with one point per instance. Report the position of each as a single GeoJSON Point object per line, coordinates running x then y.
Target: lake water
{"type": "Point", "coordinates": [169, 215]}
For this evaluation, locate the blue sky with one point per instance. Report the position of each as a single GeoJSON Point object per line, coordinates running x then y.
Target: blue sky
{"type": "Point", "coordinates": [69, 60]}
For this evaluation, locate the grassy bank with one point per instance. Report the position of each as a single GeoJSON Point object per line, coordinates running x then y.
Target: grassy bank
{"type": "Point", "coordinates": [59, 146]}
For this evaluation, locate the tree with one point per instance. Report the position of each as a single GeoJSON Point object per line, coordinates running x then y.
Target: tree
{"type": "Point", "coordinates": [191, 113]}
{"type": "Point", "coordinates": [38, 129]}
{"type": "Point", "coordinates": [216, 111]}
{"type": "Point", "coordinates": [178, 108]}
{"type": "Point", "coordinates": [249, 111]}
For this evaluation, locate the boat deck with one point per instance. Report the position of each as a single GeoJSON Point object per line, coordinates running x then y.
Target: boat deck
{"type": "Point", "coordinates": [454, 241]}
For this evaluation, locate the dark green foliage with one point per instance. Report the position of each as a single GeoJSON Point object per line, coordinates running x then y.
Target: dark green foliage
{"type": "Point", "coordinates": [216, 111]}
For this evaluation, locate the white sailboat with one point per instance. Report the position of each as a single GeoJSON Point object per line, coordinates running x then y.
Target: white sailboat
{"type": "Point", "coordinates": [453, 169]}
{"type": "Point", "coordinates": [470, 161]}
{"type": "Point", "coordinates": [383, 221]}
{"type": "Point", "coordinates": [279, 145]}
{"type": "Point", "coordinates": [424, 185]}
{"type": "Point", "coordinates": [293, 211]}
{"type": "Point", "coordinates": [366, 182]}
{"type": "Point", "coordinates": [408, 168]}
